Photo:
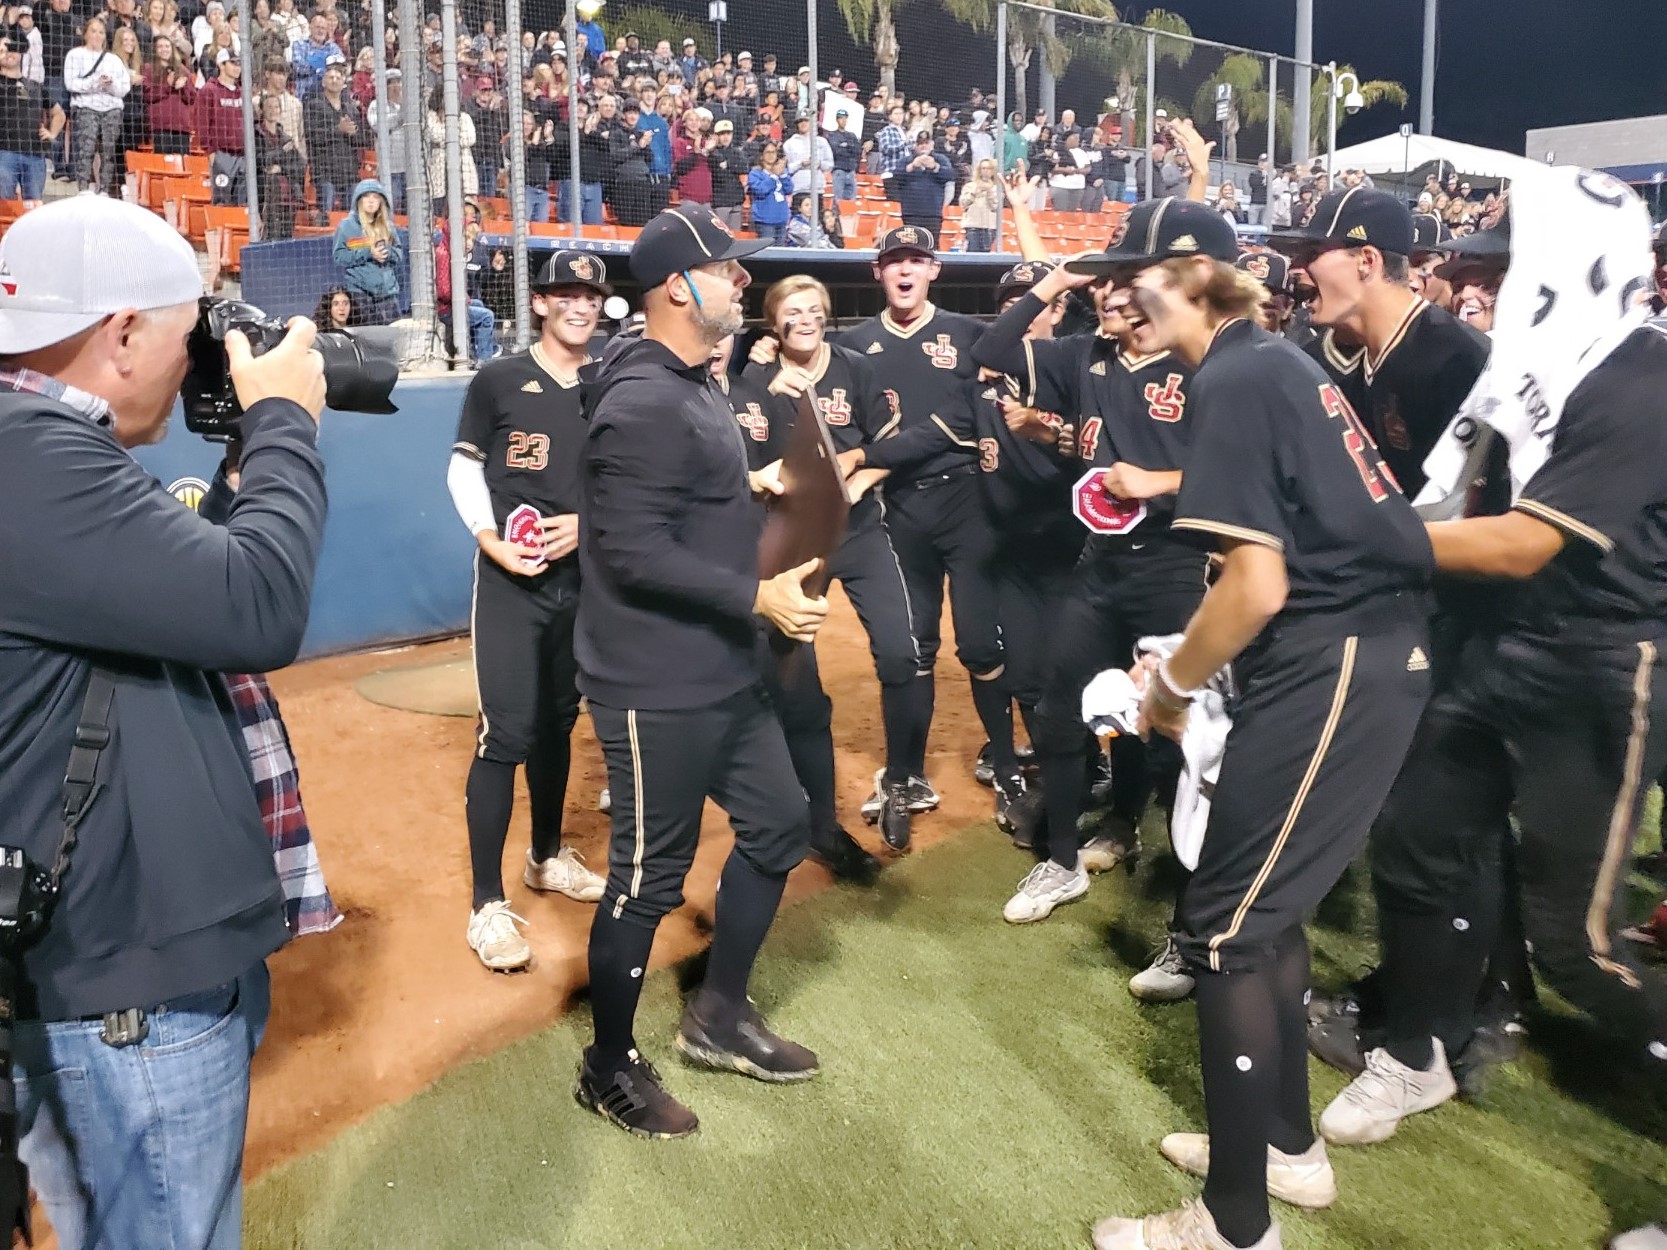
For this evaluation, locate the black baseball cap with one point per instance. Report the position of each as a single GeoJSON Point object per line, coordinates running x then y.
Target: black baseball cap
{"type": "Point", "coordinates": [1269, 268]}
{"type": "Point", "coordinates": [1158, 230]}
{"type": "Point", "coordinates": [1428, 232]}
{"type": "Point", "coordinates": [573, 268]}
{"type": "Point", "coordinates": [908, 239]}
{"type": "Point", "coordinates": [1358, 217]}
{"type": "Point", "coordinates": [681, 238]}
{"type": "Point", "coordinates": [1485, 247]}
{"type": "Point", "coordinates": [1021, 277]}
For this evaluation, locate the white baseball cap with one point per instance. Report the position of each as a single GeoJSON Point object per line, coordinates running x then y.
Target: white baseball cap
{"type": "Point", "coordinates": [71, 263]}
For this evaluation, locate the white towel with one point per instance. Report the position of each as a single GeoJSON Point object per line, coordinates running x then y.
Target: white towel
{"type": "Point", "coordinates": [1580, 261]}
{"type": "Point", "coordinates": [1111, 705]}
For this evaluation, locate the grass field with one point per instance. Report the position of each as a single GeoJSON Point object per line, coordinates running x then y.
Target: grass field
{"type": "Point", "coordinates": [983, 1086]}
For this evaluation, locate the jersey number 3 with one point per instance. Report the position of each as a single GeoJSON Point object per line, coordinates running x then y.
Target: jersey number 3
{"type": "Point", "coordinates": [528, 451]}
{"type": "Point", "coordinates": [1357, 440]}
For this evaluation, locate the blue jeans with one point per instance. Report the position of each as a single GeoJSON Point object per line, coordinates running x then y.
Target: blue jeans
{"type": "Point", "coordinates": [19, 170]}
{"type": "Point", "coordinates": [980, 238]}
{"type": "Point", "coordinates": [481, 325]}
{"type": "Point", "coordinates": [396, 184]}
{"type": "Point", "coordinates": [590, 202]}
{"type": "Point", "coordinates": [143, 1145]}
{"type": "Point", "coordinates": [845, 184]}
{"type": "Point", "coordinates": [538, 204]}
{"type": "Point", "coordinates": [326, 193]}
{"type": "Point", "coordinates": [57, 93]}
{"type": "Point", "coordinates": [773, 231]}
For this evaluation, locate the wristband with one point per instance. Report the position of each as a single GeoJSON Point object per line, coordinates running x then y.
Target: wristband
{"type": "Point", "coordinates": [1169, 693]}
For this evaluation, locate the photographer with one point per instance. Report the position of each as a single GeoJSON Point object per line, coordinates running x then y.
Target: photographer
{"type": "Point", "coordinates": [138, 1008]}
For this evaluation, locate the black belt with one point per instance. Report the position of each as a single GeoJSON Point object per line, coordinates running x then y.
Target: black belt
{"type": "Point", "coordinates": [938, 479]}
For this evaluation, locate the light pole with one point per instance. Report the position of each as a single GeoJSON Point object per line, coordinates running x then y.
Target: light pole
{"type": "Point", "coordinates": [1300, 108]}
{"type": "Point", "coordinates": [717, 12]}
{"type": "Point", "coordinates": [1426, 88]}
{"type": "Point", "coordinates": [1353, 102]}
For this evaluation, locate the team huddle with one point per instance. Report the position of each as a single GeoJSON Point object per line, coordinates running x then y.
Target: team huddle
{"type": "Point", "coordinates": [1379, 676]}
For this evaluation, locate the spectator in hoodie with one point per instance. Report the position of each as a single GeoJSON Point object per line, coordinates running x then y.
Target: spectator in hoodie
{"type": "Point", "coordinates": [691, 172]}
{"type": "Point", "coordinates": [918, 187]}
{"type": "Point", "coordinates": [170, 91]}
{"type": "Point", "coordinates": [768, 184]}
{"type": "Point", "coordinates": [220, 129]}
{"type": "Point", "coordinates": [333, 135]}
{"type": "Point", "coordinates": [483, 344]}
{"type": "Point", "coordinates": [369, 251]}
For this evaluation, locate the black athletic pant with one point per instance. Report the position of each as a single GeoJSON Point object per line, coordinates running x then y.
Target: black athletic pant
{"type": "Point", "coordinates": [1565, 739]}
{"type": "Point", "coordinates": [662, 767]}
{"type": "Point", "coordinates": [794, 684]}
{"type": "Point", "coordinates": [521, 629]}
{"type": "Point", "coordinates": [1032, 571]}
{"type": "Point", "coordinates": [1324, 717]}
{"type": "Point", "coordinates": [939, 527]}
{"type": "Point", "coordinates": [1116, 598]}
{"type": "Point", "coordinates": [868, 570]}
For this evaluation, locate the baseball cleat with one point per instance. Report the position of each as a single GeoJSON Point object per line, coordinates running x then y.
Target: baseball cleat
{"type": "Point", "coordinates": [894, 818]}
{"type": "Point", "coordinates": [746, 1045]}
{"type": "Point", "coordinates": [634, 1099]}
{"type": "Point", "coordinates": [922, 798]}
{"type": "Point", "coordinates": [843, 855]}
{"type": "Point", "coordinates": [496, 939]}
{"type": "Point", "coordinates": [1104, 852]}
{"type": "Point", "coordinates": [1009, 793]}
{"type": "Point", "coordinates": [565, 873]}
{"type": "Point", "coordinates": [984, 772]}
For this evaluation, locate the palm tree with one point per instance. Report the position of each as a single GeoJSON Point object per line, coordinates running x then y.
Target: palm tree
{"type": "Point", "coordinates": [1121, 50]}
{"type": "Point", "coordinates": [876, 21]}
{"type": "Point", "coordinates": [1377, 91]}
{"type": "Point", "coordinates": [1245, 74]}
{"type": "Point", "coordinates": [1028, 30]}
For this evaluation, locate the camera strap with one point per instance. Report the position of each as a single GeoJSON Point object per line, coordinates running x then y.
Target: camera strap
{"type": "Point", "coordinates": [81, 783]}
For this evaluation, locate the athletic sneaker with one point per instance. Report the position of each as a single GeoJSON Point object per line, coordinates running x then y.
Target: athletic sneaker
{"type": "Point", "coordinates": [1650, 1237]}
{"type": "Point", "coordinates": [922, 798]}
{"type": "Point", "coordinates": [984, 772]}
{"type": "Point", "coordinates": [745, 1045]}
{"type": "Point", "coordinates": [633, 1098]}
{"type": "Point", "coordinates": [1165, 979]}
{"type": "Point", "coordinates": [894, 816]}
{"type": "Point", "coordinates": [1009, 794]}
{"type": "Point", "coordinates": [1372, 1106]}
{"type": "Point", "coordinates": [1105, 852]}
{"type": "Point", "coordinates": [1192, 1227]}
{"type": "Point", "coordinates": [494, 937]}
{"type": "Point", "coordinates": [1304, 1180]}
{"type": "Point", "coordinates": [843, 855]}
{"type": "Point", "coordinates": [565, 874]}
{"type": "Point", "coordinates": [1045, 887]}
{"type": "Point", "coordinates": [604, 801]}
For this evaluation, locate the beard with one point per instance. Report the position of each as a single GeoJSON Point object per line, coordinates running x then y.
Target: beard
{"type": "Point", "coordinates": [716, 327]}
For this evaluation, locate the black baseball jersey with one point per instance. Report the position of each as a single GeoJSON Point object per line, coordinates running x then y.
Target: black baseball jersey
{"type": "Point", "coordinates": [1416, 385]}
{"type": "Point", "coordinates": [1279, 457]}
{"type": "Point", "coordinates": [527, 427]}
{"type": "Point", "coordinates": [1605, 487]}
{"type": "Point", "coordinates": [765, 421]}
{"type": "Point", "coordinates": [918, 367]}
{"type": "Point", "coordinates": [852, 402]}
{"type": "Point", "coordinates": [1343, 365]}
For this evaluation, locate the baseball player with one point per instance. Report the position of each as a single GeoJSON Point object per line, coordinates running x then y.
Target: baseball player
{"type": "Point", "coordinates": [1319, 608]}
{"type": "Point", "coordinates": [1128, 412]}
{"type": "Point", "coordinates": [666, 644]}
{"type": "Point", "coordinates": [1555, 719]}
{"type": "Point", "coordinates": [1025, 490]}
{"type": "Point", "coordinates": [790, 670]}
{"type": "Point", "coordinates": [793, 358]}
{"type": "Point", "coordinates": [933, 512]}
{"type": "Point", "coordinates": [514, 478]}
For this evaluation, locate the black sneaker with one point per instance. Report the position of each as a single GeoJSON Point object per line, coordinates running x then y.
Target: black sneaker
{"type": "Point", "coordinates": [922, 798]}
{"type": "Point", "coordinates": [745, 1045]}
{"type": "Point", "coordinates": [634, 1099]}
{"type": "Point", "coordinates": [1335, 1042]}
{"type": "Point", "coordinates": [843, 855]}
{"type": "Point", "coordinates": [984, 772]}
{"type": "Point", "coordinates": [1009, 792]}
{"type": "Point", "coordinates": [1027, 815]}
{"type": "Point", "coordinates": [894, 816]}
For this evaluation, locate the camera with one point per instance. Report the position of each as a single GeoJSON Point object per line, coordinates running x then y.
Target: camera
{"type": "Point", "coordinates": [359, 376]}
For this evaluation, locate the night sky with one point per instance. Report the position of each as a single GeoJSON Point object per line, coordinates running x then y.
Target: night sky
{"type": "Point", "coordinates": [1504, 65]}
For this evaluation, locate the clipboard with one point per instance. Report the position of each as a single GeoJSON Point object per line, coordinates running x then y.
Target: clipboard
{"type": "Point", "coordinates": [807, 520]}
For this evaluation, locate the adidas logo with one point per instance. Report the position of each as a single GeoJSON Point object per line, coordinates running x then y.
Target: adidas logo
{"type": "Point", "coordinates": [1098, 368]}
{"type": "Point", "coordinates": [1417, 662]}
{"type": "Point", "coordinates": [1359, 232]}
{"type": "Point", "coordinates": [1186, 243]}
{"type": "Point", "coordinates": [532, 387]}
{"type": "Point", "coordinates": [874, 349]}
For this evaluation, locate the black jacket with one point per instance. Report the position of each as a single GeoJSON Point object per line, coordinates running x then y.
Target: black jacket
{"type": "Point", "coordinates": [668, 552]}
{"type": "Point", "coordinates": [729, 175]}
{"type": "Point", "coordinates": [172, 888]}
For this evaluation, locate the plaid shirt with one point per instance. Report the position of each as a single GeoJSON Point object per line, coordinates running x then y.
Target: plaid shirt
{"type": "Point", "coordinates": [894, 149]}
{"type": "Point", "coordinates": [308, 907]}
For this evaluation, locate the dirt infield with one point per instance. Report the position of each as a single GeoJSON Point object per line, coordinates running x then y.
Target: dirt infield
{"type": "Point", "coordinates": [377, 1009]}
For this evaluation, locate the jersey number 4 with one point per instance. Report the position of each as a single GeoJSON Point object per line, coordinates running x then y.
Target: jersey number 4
{"type": "Point", "coordinates": [1373, 471]}
{"type": "Point", "coordinates": [528, 451]}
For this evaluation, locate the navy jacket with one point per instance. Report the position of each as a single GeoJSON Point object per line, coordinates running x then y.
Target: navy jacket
{"type": "Point", "coordinates": [919, 193]}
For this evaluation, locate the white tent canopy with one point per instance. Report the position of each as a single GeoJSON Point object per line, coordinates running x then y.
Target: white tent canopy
{"type": "Point", "coordinates": [1391, 154]}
